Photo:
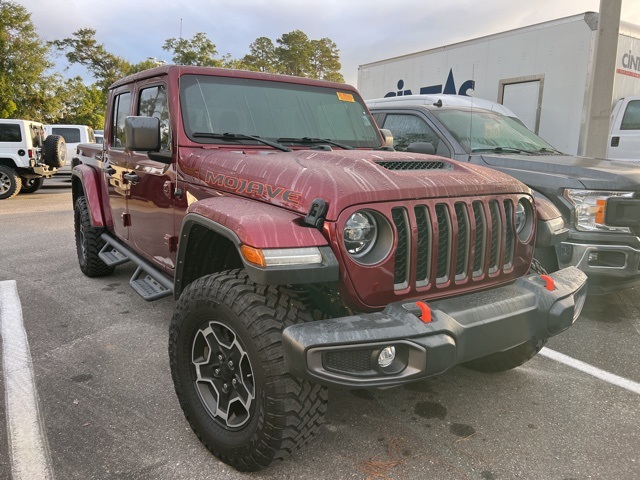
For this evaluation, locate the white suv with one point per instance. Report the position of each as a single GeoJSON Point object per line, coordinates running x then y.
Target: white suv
{"type": "Point", "coordinates": [73, 136]}
{"type": "Point", "coordinates": [27, 157]}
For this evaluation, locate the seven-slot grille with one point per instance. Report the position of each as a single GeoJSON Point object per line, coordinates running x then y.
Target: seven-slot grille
{"type": "Point", "coordinates": [447, 247]}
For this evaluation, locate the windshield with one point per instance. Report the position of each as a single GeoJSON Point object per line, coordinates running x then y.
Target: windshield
{"type": "Point", "coordinates": [490, 131]}
{"type": "Point", "coordinates": [272, 110]}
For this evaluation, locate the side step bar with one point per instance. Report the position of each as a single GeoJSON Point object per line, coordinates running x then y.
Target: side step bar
{"type": "Point", "coordinates": [150, 283]}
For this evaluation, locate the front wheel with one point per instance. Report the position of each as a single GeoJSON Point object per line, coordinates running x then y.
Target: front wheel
{"type": "Point", "coordinates": [512, 358]}
{"type": "Point", "coordinates": [227, 365]}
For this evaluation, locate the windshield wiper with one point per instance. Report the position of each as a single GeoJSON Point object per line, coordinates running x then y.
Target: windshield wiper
{"type": "Point", "coordinates": [241, 136]}
{"type": "Point", "coordinates": [499, 150]}
{"type": "Point", "coordinates": [310, 140]}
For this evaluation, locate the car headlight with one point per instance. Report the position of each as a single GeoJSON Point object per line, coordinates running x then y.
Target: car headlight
{"type": "Point", "coordinates": [359, 234]}
{"type": "Point", "coordinates": [524, 219]}
{"type": "Point", "coordinates": [590, 206]}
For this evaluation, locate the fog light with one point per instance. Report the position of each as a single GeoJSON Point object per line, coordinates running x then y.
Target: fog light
{"type": "Point", "coordinates": [387, 356]}
{"type": "Point", "coordinates": [593, 258]}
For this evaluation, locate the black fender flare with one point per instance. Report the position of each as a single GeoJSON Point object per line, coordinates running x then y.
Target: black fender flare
{"type": "Point", "coordinates": [551, 227]}
{"type": "Point", "coordinates": [262, 226]}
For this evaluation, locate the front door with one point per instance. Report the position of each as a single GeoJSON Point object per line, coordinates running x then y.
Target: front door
{"type": "Point", "coordinates": [151, 187]}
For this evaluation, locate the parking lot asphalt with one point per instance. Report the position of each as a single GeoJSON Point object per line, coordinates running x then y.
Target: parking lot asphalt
{"type": "Point", "coordinates": [107, 410]}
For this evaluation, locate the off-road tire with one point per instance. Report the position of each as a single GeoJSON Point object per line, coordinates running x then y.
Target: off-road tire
{"type": "Point", "coordinates": [547, 258]}
{"type": "Point", "coordinates": [285, 412]}
{"type": "Point", "coordinates": [31, 185]}
{"type": "Point", "coordinates": [54, 151]}
{"type": "Point", "coordinates": [512, 358]}
{"type": "Point", "coordinates": [10, 182]}
{"type": "Point", "coordinates": [88, 242]}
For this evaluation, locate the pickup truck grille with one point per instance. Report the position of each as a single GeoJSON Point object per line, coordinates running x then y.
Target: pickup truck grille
{"type": "Point", "coordinates": [471, 238]}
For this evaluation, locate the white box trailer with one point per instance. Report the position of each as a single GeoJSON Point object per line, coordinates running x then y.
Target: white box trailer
{"type": "Point", "coordinates": [542, 72]}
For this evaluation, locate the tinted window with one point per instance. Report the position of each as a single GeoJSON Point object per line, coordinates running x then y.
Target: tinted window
{"type": "Point", "coordinates": [122, 108]}
{"type": "Point", "coordinates": [631, 118]}
{"type": "Point", "coordinates": [70, 135]}
{"type": "Point", "coordinates": [10, 133]}
{"type": "Point", "coordinates": [273, 110]}
{"type": "Point", "coordinates": [153, 103]}
{"type": "Point", "coordinates": [407, 129]}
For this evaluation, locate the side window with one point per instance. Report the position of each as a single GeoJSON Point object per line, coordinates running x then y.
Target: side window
{"type": "Point", "coordinates": [122, 107]}
{"type": "Point", "coordinates": [631, 118]}
{"type": "Point", "coordinates": [10, 133]}
{"type": "Point", "coordinates": [407, 129]}
{"type": "Point", "coordinates": [153, 103]}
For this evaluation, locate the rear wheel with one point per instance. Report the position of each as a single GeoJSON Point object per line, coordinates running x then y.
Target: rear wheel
{"type": "Point", "coordinates": [225, 350]}
{"type": "Point", "coordinates": [31, 185]}
{"type": "Point", "coordinates": [10, 182]}
{"type": "Point", "coordinates": [512, 358]}
{"type": "Point", "coordinates": [88, 242]}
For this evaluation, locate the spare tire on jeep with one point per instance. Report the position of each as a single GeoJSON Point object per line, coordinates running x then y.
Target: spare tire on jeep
{"type": "Point", "coordinates": [54, 151]}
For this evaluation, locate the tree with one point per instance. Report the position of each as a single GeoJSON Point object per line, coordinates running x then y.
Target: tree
{"type": "Point", "coordinates": [324, 61]}
{"type": "Point", "coordinates": [262, 57]}
{"type": "Point", "coordinates": [23, 63]}
{"type": "Point", "coordinates": [85, 50]}
{"type": "Point", "coordinates": [294, 53]}
{"type": "Point", "coordinates": [197, 51]}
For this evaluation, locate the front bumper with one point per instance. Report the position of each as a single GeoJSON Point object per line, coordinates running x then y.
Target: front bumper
{"type": "Point", "coordinates": [620, 261]}
{"type": "Point", "coordinates": [344, 351]}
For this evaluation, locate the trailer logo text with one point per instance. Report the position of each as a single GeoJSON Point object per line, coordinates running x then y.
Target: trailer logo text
{"type": "Point", "coordinates": [449, 88]}
{"type": "Point", "coordinates": [632, 62]}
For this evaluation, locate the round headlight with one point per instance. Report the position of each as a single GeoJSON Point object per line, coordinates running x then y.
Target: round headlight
{"type": "Point", "coordinates": [360, 233]}
{"type": "Point", "coordinates": [524, 220]}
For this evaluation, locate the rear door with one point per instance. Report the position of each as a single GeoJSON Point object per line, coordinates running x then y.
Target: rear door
{"type": "Point", "coordinates": [116, 161]}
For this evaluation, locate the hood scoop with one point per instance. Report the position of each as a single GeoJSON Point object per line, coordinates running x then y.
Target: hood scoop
{"type": "Point", "coordinates": [415, 165]}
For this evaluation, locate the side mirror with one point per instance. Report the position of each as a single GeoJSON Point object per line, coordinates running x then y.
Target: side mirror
{"type": "Point", "coordinates": [388, 137]}
{"type": "Point", "coordinates": [142, 134]}
{"type": "Point", "coordinates": [421, 147]}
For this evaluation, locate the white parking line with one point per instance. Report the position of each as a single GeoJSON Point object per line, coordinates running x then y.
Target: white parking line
{"type": "Point", "coordinates": [28, 448]}
{"type": "Point", "coordinates": [591, 370]}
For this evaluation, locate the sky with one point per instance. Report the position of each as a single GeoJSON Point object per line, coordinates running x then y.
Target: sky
{"type": "Point", "coordinates": [365, 31]}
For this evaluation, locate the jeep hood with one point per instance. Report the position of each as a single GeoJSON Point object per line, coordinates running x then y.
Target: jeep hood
{"type": "Point", "coordinates": [342, 178]}
{"type": "Point", "coordinates": [556, 172]}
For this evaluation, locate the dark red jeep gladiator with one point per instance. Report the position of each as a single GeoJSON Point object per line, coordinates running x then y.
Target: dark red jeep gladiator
{"type": "Point", "coordinates": [303, 253]}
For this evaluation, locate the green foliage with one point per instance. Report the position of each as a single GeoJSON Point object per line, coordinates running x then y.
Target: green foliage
{"type": "Point", "coordinates": [197, 51]}
{"type": "Point", "coordinates": [262, 57]}
{"type": "Point", "coordinates": [23, 63]}
{"type": "Point", "coordinates": [294, 53]}
{"type": "Point", "coordinates": [83, 49]}
{"type": "Point", "coordinates": [324, 61]}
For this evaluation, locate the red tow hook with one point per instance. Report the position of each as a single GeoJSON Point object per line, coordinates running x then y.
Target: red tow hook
{"type": "Point", "coordinates": [426, 312]}
{"type": "Point", "coordinates": [550, 284]}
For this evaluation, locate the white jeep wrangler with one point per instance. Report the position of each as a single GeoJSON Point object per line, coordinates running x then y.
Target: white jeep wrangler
{"type": "Point", "coordinates": [27, 157]}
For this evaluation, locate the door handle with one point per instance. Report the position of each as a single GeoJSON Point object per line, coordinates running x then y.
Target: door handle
{"type": "Point", "coordinates": [131, 177]}
{"type": "Point", "coordinates": [109, 170]}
